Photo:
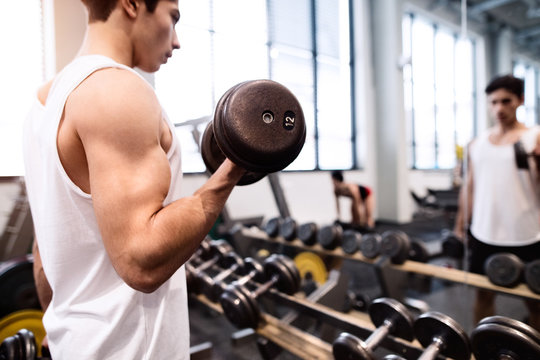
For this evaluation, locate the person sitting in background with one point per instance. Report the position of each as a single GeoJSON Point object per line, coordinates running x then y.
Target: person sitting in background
{"type": "Point", "coordinates": [362, 200]}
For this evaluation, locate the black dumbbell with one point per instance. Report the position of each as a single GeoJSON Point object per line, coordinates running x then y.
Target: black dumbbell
{"type": "Point", "coordinates": [307, 233]}
{"type": "Point", "coordinates": [288, 228]}
{"type": "Point", "coordinates": [532, 275]}
{"type": "Point", "coordinates": [503, 338]}
{"type": "Point", "coordinates": [218, 250]}
{"type": "Point", "coordinates": [271, 228]}
{"type": "Point", "coordinates": [439, 334]}
{"type": "Point", "coordinates": [230, 264]}
{"type": "Point", "coordinates": [390, 317]}
{"type": "Point", "coordinates": [392, 244]}
{"type": "Point", "coordinates": [351, 240]}
{"type": "Point", "coordinates": [504, 269]}
{"type": "Point", "coordinates": [329, 236]}
{"type": "Point", "coordinates": [254, 272]}
{"type": "Point", "coordinates": [259, 125]}
{"type": "Point", "coordinates": [21, 346]}
{"type": "Point", "coordinates": [239, 303]}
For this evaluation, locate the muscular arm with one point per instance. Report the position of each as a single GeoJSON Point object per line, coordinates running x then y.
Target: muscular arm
{"type": "Point", "coordinates": [129, 178]}
{"type": "Point", "coordinates": [43, 288]}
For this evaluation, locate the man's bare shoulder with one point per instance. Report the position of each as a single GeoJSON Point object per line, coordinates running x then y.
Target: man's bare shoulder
{"type": "Point", "coordinates": [114, 97]}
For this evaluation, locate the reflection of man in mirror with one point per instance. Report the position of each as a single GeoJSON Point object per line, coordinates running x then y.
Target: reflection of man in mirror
{"type": "Point", "coordinates": [362, 200]}
{"type": "Point", "coordinates": [503, 208]}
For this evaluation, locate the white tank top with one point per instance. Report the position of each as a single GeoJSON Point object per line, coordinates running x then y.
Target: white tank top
{"type": "Point", "coordinates": [93, 313]}
{"type": "Point", "coordinates": [506, 208]}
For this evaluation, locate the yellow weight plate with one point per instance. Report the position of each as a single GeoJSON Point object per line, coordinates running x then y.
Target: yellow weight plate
{"type": "Point", "coordinates": [23, 319]}
{"type": "Point", "coordinates": [310, 262]}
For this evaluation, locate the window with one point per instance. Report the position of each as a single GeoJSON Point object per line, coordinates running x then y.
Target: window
{"type": "Point", "coordinates": [21, 71]}
{"type": "Point", "coordinates": [439, 92]}
{"type": "Point", "coordinates": [302, 44]}
{"type": "Point", "coordinates": [528, 114]}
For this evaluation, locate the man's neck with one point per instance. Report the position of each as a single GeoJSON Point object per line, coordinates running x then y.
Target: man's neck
{"type": "Point", "coordinates": [102, 38]}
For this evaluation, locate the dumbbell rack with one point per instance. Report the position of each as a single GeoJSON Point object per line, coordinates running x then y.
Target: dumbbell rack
{"type": "Point", "coordinates": [308, 346]}
{"type": "Point", "coordinates": [453, 275]}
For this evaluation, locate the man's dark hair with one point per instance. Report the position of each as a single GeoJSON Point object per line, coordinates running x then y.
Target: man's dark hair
{"type": "Point", "coordinates": [99, 10]}
{"type": "Point", "coordinates": [508, 82]}
{"type": "Point", "coordinates": [338, 175]}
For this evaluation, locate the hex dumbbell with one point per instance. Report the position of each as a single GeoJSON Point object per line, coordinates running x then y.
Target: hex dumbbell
{"type": "Point", "coordinates": [390, 317]}
{"type": "Point", "coordinates": [392, 244]}
{"type": "Point", "coordinates": [503, 338]}
{"type": "Point", "coordinates": [439, 334]}
{"type": "Point", "coordinates": [507, 270]}
{"type": "Point", "coordinates": [239, 303]}
{"type": "Point", "coordinates": [254, 272]}
{"type": "Point", "coordinates": [330, 236]}
{"type": "Point", "coordinates": [259, 125]}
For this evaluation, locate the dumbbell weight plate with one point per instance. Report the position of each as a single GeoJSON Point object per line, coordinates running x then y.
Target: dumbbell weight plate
{"type": "Point", "coordinates": [532, 275]}
{"type": "Point", "coordinates": [213, 157]}
{"type": "Point", "coordinates": [494, 341]}
{"type": "Point", "coordinates": [239, 306]}
{"type": "Point", "coordinates": [350, 243]}
{"type": "Point", "coordinates": [396, 245]}
{"type": "Point", "coordinates": [330, 236]}
{"type": "Point", "coordinates": [307, 233]}
{"type": "Point", "coordinates": [287, 229]}
{"type": "Point", "coordinates": [347, 346]}
{"type": "Point", "coordinates": [382, 309]}
{"type": "Point", "coordinates": [504, 269]}
{"type": "Point", "coordinates": [371, 245]}
{"type": "Point", "coordinates": [288, 276]}
{"type": "Point", "coordinates": [272, 226]}
{"type": "Point", "coordinates": [418, 251]}
{"type": "Point", "coordinates": [28, 344]}
{"type": "Point", "coordinates": [514, 324]}
{"type": "Point", "coordinates": [260, 126]}
{"type": "Point", "coordinates": [433, 324]}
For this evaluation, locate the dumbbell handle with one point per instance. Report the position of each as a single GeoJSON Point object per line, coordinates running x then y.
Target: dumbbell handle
{"type": "Point", "coordinates": [433, 349]}
{"type": "Point", "coordinates": [226, 273]}
{"type": "Point", "coordinates": [264, 287]}
{"type": "Point", "coordinates": [244, 279]}
{"type": "Point", "coordinates": [205, 265]}
{"type": "Point", "coordinates": [378, 335]}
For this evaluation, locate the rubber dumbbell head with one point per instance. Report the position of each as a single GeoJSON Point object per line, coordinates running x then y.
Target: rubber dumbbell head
{"type": "Point", "coordinates": [259, 125]}
{"type": "Point", "coordinates": [532, 275]}
{"type": "Point", "coordinates": [504, 269]}
{"type": "Point", "coordinates": [441, 335]}
{"type": "Point", "coordinates": [329, 236]}
{"type": "Point", "coordinates": [240, 305]}
{"type": "Point", "coordinates": [350, 242]}
{"type": "Point", "coordinates": [390, 317]}
{"type": "Point", "coordinates": [370, 246]}
{"type": "Point", "coordinates": [396, 245]}
{"type": "Point", "coordinates": [271, 228]}
{"type": "Point", "coordinates": [307, 233]}
{"type": "Point", "coordinates": [287, 228]}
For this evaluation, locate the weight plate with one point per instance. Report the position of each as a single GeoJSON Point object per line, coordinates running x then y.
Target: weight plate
{"type": "Point", "coordinates": [532, 275]}
{"type": "Point", "coordinates": [29, 319]}
{"type": "Point", "coordinates": [371, 245]}
{"type": "Point", "coordinates": [504, 269]}
{"type": "Point", "coordinates": [418, 251]}
{"type": "Point", "coordinates": [260, 126]}
{"type": "Point", "coordinates": [287, 228]}
{"type": "Point", "coordinates": [233, 259]}
{"type": "Point", "coordinates": [396, 245]}
{"type": "Point", "coordinates": [307, 233]}
{"type": "Point", "coordinates": [349, 347]}
{"type": "Point", "coordinates": [434, 325]}
{"type": "Point", "coordinates": [239, 307]}
{"type": "Point", "coordinates": [272, 226]}
{"type": "Point", "coordinates": [514, 324]}
{"type": "Point", "coordinates": [495, 341]}
{"type": "Point", "coordinates": [384, 309]}
{"type": "Point", "coordinates": [329, 236]}
{"type": "Point", "coordinates": [17, 285]}
{"type": "Point", "coordinates": [213, 157]}
{"type": "Point", "coordinates": [350, 243]}
{"type": "Point", "coordinates": [308, 262]}
{"type": "Point", "coordinates": [288, 277]}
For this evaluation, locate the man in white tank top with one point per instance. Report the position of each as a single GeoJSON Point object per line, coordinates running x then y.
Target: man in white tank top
{"type": "Point", "coordinates": [503, 208]}
{"type": "Point", "coordinates": [103, 175]}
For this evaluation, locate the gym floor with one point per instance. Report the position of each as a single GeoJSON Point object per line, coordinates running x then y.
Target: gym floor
{"type": "Point", "coordinates": [455, 300]}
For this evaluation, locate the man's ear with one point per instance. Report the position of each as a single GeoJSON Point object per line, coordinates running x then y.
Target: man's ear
{"type": "Point", "coordinates": [131, 7]}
